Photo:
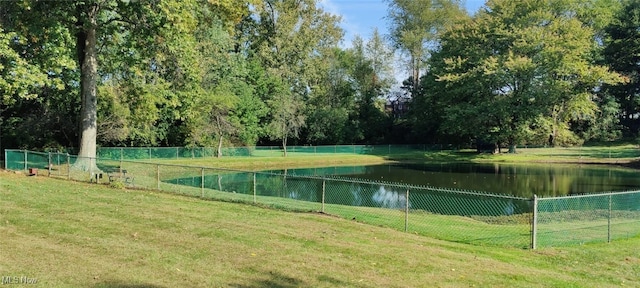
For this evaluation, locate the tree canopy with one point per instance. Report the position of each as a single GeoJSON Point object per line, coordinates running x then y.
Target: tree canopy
{"type": "Point", "coordinates": [273, 72]}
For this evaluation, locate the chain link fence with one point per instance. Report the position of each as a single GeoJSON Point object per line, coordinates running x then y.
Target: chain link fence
{"type": "Point", "coordinates": [138, 153]}
{"type": "Point", "coordinates": [580, 219]}
{"type": "Point", "coordinates": [454, 215]}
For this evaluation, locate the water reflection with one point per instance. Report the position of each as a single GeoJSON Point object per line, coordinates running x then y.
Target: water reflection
{"type": "Point", "coordinates": [363, 194]}
{"type": "Point", "coordinates": [517, 183]}
{"type": "Point", "coordinates": [390, 199]}
{"type": "Point", "coordinates": [516, 180]}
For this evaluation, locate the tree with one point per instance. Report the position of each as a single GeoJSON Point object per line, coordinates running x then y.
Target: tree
{"type": "Point", "coordinates": [290, 36]}
{"type": "Point", "coordinates": [372, 78]}
{"type": "Point", "coordinates": [286, 117]}
{"type": "Point", "coordinates": [146, 55]}
{"type": "Point", "coordinates": [347, 106]}
{"type": "Point", "coordinates": [81, 21]}
{"type": "Point", "coordinates": [332, 102]}
{"type": "Point", "coordinates": [416, 26]}
{"type": "Point", "coordinates": [518, 70]}
{"type": "Point", "coordinates": [219, 70]}
{"type": "Point", "coordinates": [18, 78]}
{"type": "Point", "coordinates": [622, 54]}
{"type": "Point", "coordinates": [41, 73]}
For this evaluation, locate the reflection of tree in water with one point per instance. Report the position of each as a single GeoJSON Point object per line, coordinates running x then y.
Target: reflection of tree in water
{"type": "Point", "coordinates": [390, 199]}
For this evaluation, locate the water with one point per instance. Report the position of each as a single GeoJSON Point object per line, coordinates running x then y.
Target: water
{"type": "Point", "coordinates": [506, 179]}
{"type": "Point", "coordinates": [516, 184]}
{"type": "Point", "coordinates": [358, 193]}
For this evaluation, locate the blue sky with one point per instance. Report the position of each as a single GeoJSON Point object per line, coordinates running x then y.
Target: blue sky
{"type": "Point", "coordinates": [359, 17]}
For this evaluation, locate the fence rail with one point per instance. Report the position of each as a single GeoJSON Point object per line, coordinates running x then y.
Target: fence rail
{"type": "Point", "coordinates": [455, 215]}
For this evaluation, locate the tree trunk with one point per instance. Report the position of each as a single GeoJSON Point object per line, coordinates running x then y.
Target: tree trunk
{"type": "Point", "coordinates": [284, 145]}
{"type": "Point", "coordinates": [87, 58]}
{"type": "Point", "coordinates": [415, 74]}
{"type": "Point", "coordinates": [220, 146]}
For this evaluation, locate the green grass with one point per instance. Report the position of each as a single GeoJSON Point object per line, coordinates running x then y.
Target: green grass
{"type": "Point", "coordinates": [618, 154]}
{"type": "Point", "coordinates": [70, 234]}
{"type": "Point", "coordinates": [277, 162]}
{"type": "Point", "coordinates": [624, 154]}
{"type": "Point", "coordinates": [511, 231]}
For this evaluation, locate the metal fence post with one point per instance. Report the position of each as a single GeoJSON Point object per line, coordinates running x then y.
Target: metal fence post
{"type": "Point", "coordinates": [254, 188]}
{"type": "Point", "coordinates": [158, 176]}
{"type": "Point", "coordinates": [202, 181]}
{"type": "Point", "coordinates": [90, 170]}
{"type": "Point", "coordinates": [406, 212]}
{"type": "Point", "coordinates": [534, 223]}
{"type": "Point", "coordinates": [49, 165]}
{"type": "Point", "coordinates": [284, 183]}
{"type": "Point", "coordinates": [68, 167]}
{"type": "Point", "coordinates": [324, 185]}
{"type": "Point", "coordinates": [609, 221]}
{"type": "Point", "coordinates": [25, 160]}
{"type": "Point", "coordinates": [58, 163]}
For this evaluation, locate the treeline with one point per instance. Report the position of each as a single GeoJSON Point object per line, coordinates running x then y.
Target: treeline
{"type": "Point", "coordinates": [227, 72]}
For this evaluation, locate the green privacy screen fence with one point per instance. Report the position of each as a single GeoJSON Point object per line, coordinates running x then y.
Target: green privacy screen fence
{"type": "Point", "coordinates": [454, 215]}
{"type": "Point", "coordinates": [137, 153]}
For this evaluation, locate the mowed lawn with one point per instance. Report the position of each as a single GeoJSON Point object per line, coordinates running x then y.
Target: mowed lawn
{"type": "Point", "coordinates": [622, 154]}
{"type": "Point", "coordinates": [69, 234]}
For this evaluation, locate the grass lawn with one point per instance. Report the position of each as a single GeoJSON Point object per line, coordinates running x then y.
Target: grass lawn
{"type": "Point", "coordinates": [70, 234]}
{"type": "Point", "coordinates": [626, 154]}
{"type": "Point", "coordinates": [278, 162]}
{"type": "Point", "coordinates": [617, 154]}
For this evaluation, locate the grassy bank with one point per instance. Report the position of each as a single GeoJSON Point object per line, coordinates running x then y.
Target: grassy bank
{"type": "Point", "coordinates": [615, 155]}
{"type": "Point", "coordinates": [279, 162]}
{"type": "Point", "coordinates": [67, 234]}
{"type": "Point", "coordinates": [626, 155]}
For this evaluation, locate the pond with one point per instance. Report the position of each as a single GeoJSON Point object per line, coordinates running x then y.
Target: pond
{"type": "Point", "coordinates": [516, 184]}
{"type": "Point", "coordinates": [507, 179]}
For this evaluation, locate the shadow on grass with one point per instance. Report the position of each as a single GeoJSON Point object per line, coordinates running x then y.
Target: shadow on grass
{"type": "Point", "coordinates": [278, 280]}
{"type": "Point", "coordinates": [438, 156]}
{"type": "Point", "coordinates": [577, 155]}
{"type": "Point", "coordinates": [274, 279]}
{"type": "Point", "coordinates": [633, 164]}
{"type": "Point", "coordinates": [122, 284]}
{"type": "Point", "coordinates": [595, 154]}
{"type": "Point", "coordinates": [337, 282]}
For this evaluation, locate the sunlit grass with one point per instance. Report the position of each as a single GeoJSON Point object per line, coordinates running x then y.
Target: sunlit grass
{"type": "Point", "coordinates": [620, 154]}
{"type": "Point", "coordinates": [70, 234]}
{"type": "Point", "coordinates": [277, 162]}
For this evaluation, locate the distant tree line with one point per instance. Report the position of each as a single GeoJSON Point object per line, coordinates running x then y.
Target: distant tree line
{"type": "Point", "coordinates": [242, 73]}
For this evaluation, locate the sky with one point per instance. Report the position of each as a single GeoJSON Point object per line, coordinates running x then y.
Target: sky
{"type": "Point", "coordinates": [359, 17]}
